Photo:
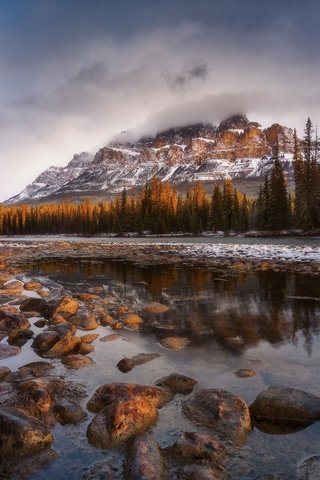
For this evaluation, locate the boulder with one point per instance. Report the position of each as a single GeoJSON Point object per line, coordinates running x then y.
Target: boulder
{"type": "Point", "coordinates": [111, 392]}
{"type": "Point", "coordinates": [121, 420]}
{"type": "Point", "coordinates": [67, 307]}
{"type": "Point", "coordinates": [19, 337]}
{"type": "Point", "coordinates": [86, 348]}
{"type": "Point", "coordinates": [21, 434]}
{"type": "Point", "coordinates": [12, 321]}
{"type": "Point", "coordinates": [177, 383]}
{"type": "Point", "coordinates": [127, 364]}
{"type": "Point", "coordinates": [85, 321]}
{"type": "Point", "coordinates": [65, 346]}
{"type": "Point", "coordinates": [132, 320]}
{"type": "Point", "coordinates": [13, 288]}
{"type": "Point", "coordinates": [155, 307]}
{"type": "Point", "coordinates": [89, 338]}
{"type": "Point", "coordinates": [144, 461]}
{"type": "Point", "coordinates": [38, 305]}
{"type": "Point", "coordinates": [288, 406]}
{"type": "Point", "coordinates": [45, 340]}
{"type": "Point", "coordinates": [32, 285]}
{"type": "Point", "coordinates": [69, 412]}
{"type": "Point", "coordinates": [225, 413]}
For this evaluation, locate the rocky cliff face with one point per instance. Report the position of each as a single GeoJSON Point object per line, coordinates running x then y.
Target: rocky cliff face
{"type": "Point", "coordinates": [236, 148]}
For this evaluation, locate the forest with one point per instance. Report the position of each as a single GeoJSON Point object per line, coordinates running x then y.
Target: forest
{"type": "Point", "coordinates": [158, 208]}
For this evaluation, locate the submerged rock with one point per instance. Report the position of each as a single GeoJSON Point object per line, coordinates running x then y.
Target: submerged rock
{"type": "Point", "coordinates": [194, 445]}
{"type": "Point", "coordinates": [78, 361]}
{"type": "Point", "coordinates": [111, 337]}
{"type": "Point", "coordinates": [245, 373]}
{"type": "Point", "coordinates": [32, 370]}
{"type": "Point", "coordinates": [174, 343]}
{"type": "Point", "coordinates": [86, 348]}
{"type": "Point", "coordinates": [8, 350]}
{"type": "Point", "coordinates": [177, 383]}
{"type": "Point", "coordinates": [310, 468]}
{"type": "Point", "coordinates": [100, 471]}
{"type": "Point", "coordinates": [127, 364]}
{"type": "Point", "coordinates": [225, 413]}
{"type": "Point", "coordinates": [69, 412]}
{"type": "Point", "coordinates": [196, 472]}
{"type": "Point", "coordinates": [144, 461]}
{"type": "Point", "coordinates": [21, 434]}
{"type": "Point", "coordinates": [288, 406]}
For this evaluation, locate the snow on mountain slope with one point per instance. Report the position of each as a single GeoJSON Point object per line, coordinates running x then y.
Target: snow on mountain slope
{"type": "Point", "coordinates": [236, 149]}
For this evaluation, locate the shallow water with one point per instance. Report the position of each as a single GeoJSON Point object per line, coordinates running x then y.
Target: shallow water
{"type": "Point", "coordinates": [266, 321]}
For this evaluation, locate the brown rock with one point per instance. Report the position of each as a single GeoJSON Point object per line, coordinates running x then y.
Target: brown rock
{"type": "Point", "coordinates": [174, 343]}
{"type": "Point", "coordinates": [225, 413]}
{"type": "Point", "coordinates": [127, 364]}
{"type": "Point", "coordinates": [65, 346]}
{"type": "Point", "coordinates": [38, 305]}
{"type": "Point", "coordinates": [87, 297]}
{"type": "Point", "coordinates": [4, 372]}
{"type": "Point", "coordinates": [69, 412]}
{"type": "Point", "coordinates": [21, 434]}
{"type": "Point", "coordinates": [45, 340]}
{"type": "Point", "coordinates": [19, 337]}
{"type": "Point", "coordinates": [32, 285]}
{"type": "Point", "coordinates": [85, 348]}
{"type": "Point", "coordinates": [106, 320]}
{"type": "Point", "coordinates": [111, 337]}
{"type": "Point", "coordinates": [132, 320]}
{"type": "Point", "coordinates": [177, 383]}
{"type": "Point", "coordinates": [13, 288]}
{"type": "Point", "coordinates": [67, 307]}
{"type": "Point", "coordinates": [77, 361]}
{"type": "Point", "coordinates": [144, 461]}
{"type": "Point", "coordinates": [85, 322]}
{"type": "Point", "coordinates": [196, 472]}
{"type": "Point", "coordinates": [89, 338]}
{"type": "Point", "coordinates": [155, 307]}
{"type": "Point", "coordinates": [12, 321]}
{"type": "Point", "coordinates": [32, 370]}
{"type": "Point", "coordinates": [288, 406]}
{"type": "Point", "coordinates": [245, 373]}
{"type": "Point", "coordinates": [122, 310]}
{"type": "Point", "coordinates": [194, 445]}
{"type": "Point", "coordinates": [111, 392]}
{"type": "Point", "coordinates": [8, 350]}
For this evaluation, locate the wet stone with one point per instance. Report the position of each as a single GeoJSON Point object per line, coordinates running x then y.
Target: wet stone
{"type": "Point", "coordinates": [245, 373]}
{"type": "Point", "coordinates": [69, 412]}
{"type": "Point", "coordinates": [32, 370]}
{"type": "Point", "coordinates": [89, 338]}
{"type": "Point", "coordinates": [144, 461]}
{"type": "Point", "coordinates": [86, 348]}
{"type": "Point", "coordinates": [77, 361]}
{"type": "Point", "coordinates": [310, 468]}
{"type": "Point", "coordinates": [111, 337]}
{"type": "Point", "coordinates": [4, 372]}
{"type": "Point", "coordinates": [85, 322]}
{"type": "Point", "coordinates": [67, 307]}
{"type": "Point", "coordinates": [19, 337]}
{"type": "Point", "coordinates": [177, 383]}
{"type": "Point", "coordinates": [174, 343]}
{"type": "Point", "coordinates": [127, 364]}
{"type": "Point", "coordinates": [194, 445]}
{"type": "Point", "coordinates": [100, 471]}
{"type": "Point", "coordinates": [8, 350]}
{"type": "Point", "coordinates": [155, 307]}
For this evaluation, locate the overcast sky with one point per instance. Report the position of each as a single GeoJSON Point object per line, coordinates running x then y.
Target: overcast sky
{"type": "Point", "coordinates": [74, 73]}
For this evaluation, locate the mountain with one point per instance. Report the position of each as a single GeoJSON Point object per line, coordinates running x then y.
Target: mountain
{"type": "Point", "coordinates": [236, 149]}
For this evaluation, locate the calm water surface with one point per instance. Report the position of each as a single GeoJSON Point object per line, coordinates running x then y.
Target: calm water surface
{"type": "Point", "coordinates": [267, 321]}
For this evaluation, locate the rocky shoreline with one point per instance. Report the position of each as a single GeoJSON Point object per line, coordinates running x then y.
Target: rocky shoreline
{"type": "Point", "coordinates": [61, 328]}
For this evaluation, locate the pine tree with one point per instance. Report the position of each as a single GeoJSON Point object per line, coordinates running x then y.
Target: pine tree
{"type": "Point", "coordinates": [279, 210]}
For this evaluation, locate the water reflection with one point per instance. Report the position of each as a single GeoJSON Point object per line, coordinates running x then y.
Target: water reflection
{"type": "Point", "coordinates": [235, 312]}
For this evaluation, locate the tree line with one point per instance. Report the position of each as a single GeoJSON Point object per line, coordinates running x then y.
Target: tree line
{"type": "Point", "coordinates": [158, 208]}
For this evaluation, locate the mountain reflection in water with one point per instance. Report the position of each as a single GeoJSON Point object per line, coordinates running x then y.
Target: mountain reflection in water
{"type": "Point", "coordinates": [236, 311]}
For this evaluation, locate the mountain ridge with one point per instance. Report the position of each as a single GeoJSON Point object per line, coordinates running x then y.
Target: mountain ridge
{"type": "Point", "coordinates": [236, 148]}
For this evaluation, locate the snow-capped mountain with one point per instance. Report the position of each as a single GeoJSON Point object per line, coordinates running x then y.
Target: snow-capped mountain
{"type": "Point", "coordinates": [236, 149]}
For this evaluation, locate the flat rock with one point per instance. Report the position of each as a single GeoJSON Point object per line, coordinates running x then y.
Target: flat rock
{"type": "Point", "coordinates": [177, 383]}
{"type": "Point", "coordinates": [284, 405]}
{"type": "Point", "coordinates": [127, 364]}
{"type": "Point", "coordinates": [111, 337]}
{"type": "Point", "coordinates": [245, 373]}
{"type": "Point", "coordinates": [155, 307]}
{"type": "Point", "coordinates": [13, 288]}
{"type": "Point", "coordinates": [77, 361]}
{"type": "Point", "coordinates": [144, 461]}
{"type": "Point", "coordinates": [31, 370]}
{"type": "Point", "coordinates": [21, 434]}
{"type": "Point", "coordinates": [174, 343]}
{"type": "Point", "coordinates": [8, 350]}
{"type": "Point", "coordinates": [225, 413]}
{"type": "Point", "coordinates": [65, 346]}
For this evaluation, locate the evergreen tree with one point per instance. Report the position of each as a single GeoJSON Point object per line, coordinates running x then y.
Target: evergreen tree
{"type": "Point", "coordinates": [278, 208]}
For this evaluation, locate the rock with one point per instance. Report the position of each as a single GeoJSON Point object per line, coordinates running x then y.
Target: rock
{"type": "Point", "coordinates": [127, 364]}
{"type": "Point", "coordinates": [21, 434]}
{"type": "Point", "coordinates": [19, 337]}
{"type": "Point", "coordinates": [36, 400]}
{"type": "Point", "coordinates": [144, 461]}
{"type": "Point", "coordinates": [87, 297]}
{"type": "Point", "coordinates": [13, 288]}
{"type": "Point", "coordinates": [4, 372]}
{"type": "Point", "coordinates": [64, 329]}
{"type": "Point", "coordinates": [8, 350]}
{"type": "Point", "coordinates": [100, 471]}
{"type": "Point", "coordinates": [89, 338]}
{"type": "Point", "coordinates": [38, 305]}
{"type": "Point", "coordinates": [177, 383]}
{"type": "Point", "coordinates": [106, 320]}
{"type": "Point", "coordinates": [69, 412]}
{"type": "Point", "coordinates": [132, 320]}
{"type": "Point", "coordinates": [111, 337]}
{"type": "Point", "coordinates": [86, 348]}
{"type": "Point", "coordinates": [111, 392]}
{"type": "Point", "coordinates": [32, 285]}
{"type": "Point", "coordinates": [41, 323]}
{"type": "Point", "coordinates": [310, 468]}
{"type": "Point", "coordinates": [32, 370]}
{"type": "Point", "coordinates": [77, 361]}
{"type": "Point", "coordinates": [288, 406]}
{"type": "Point", "coordinates": [194, 445]}
{"type": "Point", "coordinates": [155, 307]}
{"type": "Point", "coordinates": [12, 321]}
{"type": "Point", "coordinates": [45, 340]}
{"type": "Point", "coordinates": [122, 310]}
{"type": "Point", "coordinates": [196, 472]}
{"type": "Point", "coordinates": [245, 373]}
{"type": "Point", "coordinates": [121, 420]}
{"type": "Point", "coordinates": [174, 343]}
{"type": "Point", "coordinates": [117, 325]}
{"type": "Point", "coordinates": [67, 307]}
{"type": "Point", "coordinates": [65, 346]}
{"type": "Point", "coordinates": [85, 322]}
{"type": "Point", "coordinates": [227, 414]}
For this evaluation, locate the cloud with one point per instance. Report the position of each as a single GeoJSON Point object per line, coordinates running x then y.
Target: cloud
{"type": "Point", "coordinates": [74, 97]}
